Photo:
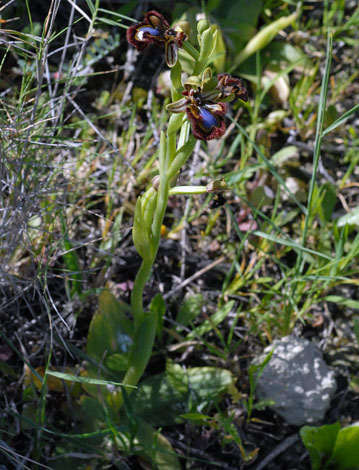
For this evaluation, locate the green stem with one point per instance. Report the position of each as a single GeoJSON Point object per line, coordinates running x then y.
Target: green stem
{"type": "Point", "coordinates": [169, 166]}
{"type": "Point", "coordinates": [162, 200]}
{"type": "Point", "coordinates": [181, 157]}
{"type": "Point", "coordinates": [171, 149]}
{"type": "Point", "coordinates": [170, 162]}
{"type": "Point", "coordinates": [137, 292]}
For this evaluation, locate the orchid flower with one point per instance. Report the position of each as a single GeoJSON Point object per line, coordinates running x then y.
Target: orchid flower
{"type": "Point", "coordinates": [154, 29]}
{"type": "Point", "coordinates": [205, 100]}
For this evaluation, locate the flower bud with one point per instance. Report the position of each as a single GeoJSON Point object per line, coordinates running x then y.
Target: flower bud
{"type": "Point", "coordinates": [217, 186]}
{"type": "Point", "coordinates": [183, 26]}
{"type": "Point", "coordinates": [192, 82]}
{"type": "Point", "coordinates": [156, 182]}
{"type": "Point", "coordinates": [202, 25]}
{"type": "Point", "coordinates": [174, 124]}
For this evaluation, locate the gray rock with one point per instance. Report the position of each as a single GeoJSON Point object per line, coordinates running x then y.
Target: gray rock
{"type": "Point", "coordinates": [298, 380]}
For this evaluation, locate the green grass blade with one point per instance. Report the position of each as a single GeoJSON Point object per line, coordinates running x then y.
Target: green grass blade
{"type": "Point", "coordinates": [86, 380]}
{"type": "Point", "coordinates": [318, 139]}
{"type": "Point", "coordinates": [340, 120]}
{"type": "Point", "coordinates": [291, 244]}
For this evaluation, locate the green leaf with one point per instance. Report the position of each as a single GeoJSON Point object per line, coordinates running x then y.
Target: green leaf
{"type": "Point", "coordinates": [239, 27]}
{"type": "Point", "coordinates": [285, 154]}
{"type": "Point", "coordinates": [110, 330]}
{"type": "Point", "coordinates": [156, 447]}
{"type": "Point", "coordinates": [280, 51]}
{"type": "Point", "coordinates": [158, 308]}
{"type": "Point", "coordinates": [162, 398]}
{"type": "Point", "coordinates": [207, 43]}
{"type": "Point", "coordinates": [176, 88]}
{"type": "Point", "coordinates": [207, 383]}
{"type": "Point", "coordinates": [328, 201]}
{"type": "Point", "coordinates": [213, 4]}
{"type": "Point", "coordinates": [86, 380]}
{"type": "Point", "coordinates": [195, 416]}
{"type": "Point", "coordinates": [337, 299]}
{"type": "Point", "coordinates": [346, 449]}
{"type": "Point", "coordinates": [93, 408]}
{"type": "Point", "coordinates": [214, 320]}
{"type": "Point", "coordinates": [219, 52]}
{"type": "Point", "coordinates": [189, 310]}
{"type": "Point", "coordinates": [261, 196]}
{"type": "Point", "coordinates": [319, 442]}
{"type": "Point", "coordinates": [264, 37]}
{"type": "Point", "coordinates": [117, 362]}
{"type": "Point", "coordinates": [158, 401]}
{"type": "Point", "coordinates": [141, 229]}
{"type": "Point", "coordinates": [356, 329]}
{"type": "Point", "coordinates": [142, 349]}
{"type": "Point", "coordinates": [197, 419]}
{"type": "Point", "coordinates": [177, 376]}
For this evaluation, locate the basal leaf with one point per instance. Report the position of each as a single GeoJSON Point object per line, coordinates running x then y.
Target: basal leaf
{"type": "Point", "coordinates": [346, 449]}
{"type": "Point", "coordinates": [189, 310]}
{"type": "Point", "coordinates": [208, 383]}
{"type": "Point", "coordinates": [161, 401]}
{"type": "Point", "coordinates": [156, 447]}
{"type": "Point", "coordinates": [319, 442]}
{"type": "Point", "coordinates": [158, 401]}
{"type": "Point", "coordinates": [110, 330]}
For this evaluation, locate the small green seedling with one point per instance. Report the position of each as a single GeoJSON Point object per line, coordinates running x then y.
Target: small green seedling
{"type": "Point", "coordinates": [332, 447]}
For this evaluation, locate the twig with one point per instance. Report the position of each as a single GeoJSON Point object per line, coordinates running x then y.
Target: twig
{"type": "Point", "coordinates": [194, 276]}
{"type": "Point", "coordinates": [279, 449]}
{"type": "Point", "coordinates": [202, 455]}
{"type": "Point", "coordinates": [93, 127]}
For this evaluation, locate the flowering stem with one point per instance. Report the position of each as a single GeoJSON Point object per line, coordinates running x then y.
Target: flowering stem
{"type": "Point", "coordinates": [162, 200]}
{"type": "Point", "coordinates": [171, 160]}
{"type": "Point", "coordinates": [181, 157]}
{"type": "Point", "coordinates": [192, 107]}
{"type": "Point", "coordinates": [137, 292]}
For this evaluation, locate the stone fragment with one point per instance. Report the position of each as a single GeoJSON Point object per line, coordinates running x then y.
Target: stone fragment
{"type": "Point", "coordinates": [298, 380]}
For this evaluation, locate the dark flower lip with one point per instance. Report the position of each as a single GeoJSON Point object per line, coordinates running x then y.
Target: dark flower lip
{"type": "Point", "coordinates": [150, 30]}
{"type": "Point", "coordinates": [205, 102]}
{"type": "Point", "coordinates": [154, 29]}
{"type": "Point", "coordinates": [207, 125]}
